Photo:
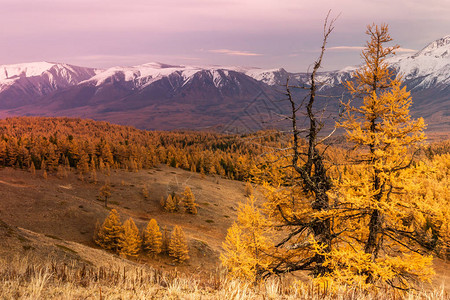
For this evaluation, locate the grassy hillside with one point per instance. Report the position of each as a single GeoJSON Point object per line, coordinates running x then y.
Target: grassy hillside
{"type": "Point", "coordinates": [47, 249]}
{"type": "Point", "coordinates": [68, 209]}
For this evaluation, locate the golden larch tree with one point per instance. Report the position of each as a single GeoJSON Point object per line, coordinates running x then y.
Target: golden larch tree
{"type": "Point", "coordinates": [294, 174]}
{"type": "Point", "coordinates": [110, 233]}
{"type": "Point", "coordinates": [83, 164]}
{"type": "Point", "coordinates": [170, 204]}
{"type": "Point", "coordinates": [177, 201]}
{"type": "Point", "coordinates": [189, 201]}
{"type": "Point", "coordinates": [131, 242]}
{"type": "Point", "coordinates": [32, 169]}
{"type": "Point", "coordinates": [178, 247]}
{"type": "Point", "coordinates": [381, 244]}
{"type": "Point", "coordinates": [152, 238]}
{"type": "Point", "coordinates": [247, 246]}
{"type": "Point", "coordinates": [248, 189]}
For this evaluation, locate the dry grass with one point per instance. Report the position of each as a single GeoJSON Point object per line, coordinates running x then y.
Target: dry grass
{"type": "Point", "coordinates": [28, 278]}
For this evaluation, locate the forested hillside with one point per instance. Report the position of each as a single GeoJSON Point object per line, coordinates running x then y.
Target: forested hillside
{"type": "Point", "coordinates": [46, 143]}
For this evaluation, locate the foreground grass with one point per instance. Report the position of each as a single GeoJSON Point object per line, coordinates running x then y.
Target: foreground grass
{"type": "Point", "coordinates": [26, 278]}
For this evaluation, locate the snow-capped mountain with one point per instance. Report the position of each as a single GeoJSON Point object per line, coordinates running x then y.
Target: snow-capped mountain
{"type": "Point", "coordinates": [184, 96]}
{"type": "Point", "coordinates": [162, 96]}
{"type": "Point", "coordinates": [23, 83]}
{"type": "Point", "coordinates": [429, 67]}
{"type": "Point", "coordinates": [426, 74]}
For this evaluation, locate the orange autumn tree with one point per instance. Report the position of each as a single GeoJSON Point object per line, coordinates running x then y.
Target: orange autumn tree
{"type": "Point", "coordinates": [130, 242]}
{"type": "Point", "coordinates": [178, 247]}
{"type": "Point", "coordinates": [381, 243]}
{"type": "Point", "coordinates": [109, 235]}
{"type": "Point", "coordinates": [247, 244]}
{"type": "Point", "coordinates": [152, 240]}
{"type": "Point", "coordinates": [189, 201]}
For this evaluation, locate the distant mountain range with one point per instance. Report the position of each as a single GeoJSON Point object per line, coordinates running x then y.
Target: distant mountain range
{"type": "Point", "coordinates": [161, 96]}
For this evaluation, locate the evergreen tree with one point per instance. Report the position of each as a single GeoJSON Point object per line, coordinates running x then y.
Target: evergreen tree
{"type": "Point", "coordinates": [152, 238]}
{"type": "Point", "coordinates": [110, 234]}
{"type": "Point", "coordinates": [178, 247]}
{"type": "Point", "coordinates": [130, 242]}
{"type": "Point", "coordinates": [189, 201]}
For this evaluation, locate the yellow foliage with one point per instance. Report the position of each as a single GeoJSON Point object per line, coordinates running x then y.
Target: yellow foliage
{"type": "Point", "coordinates": [170, 204]}
{"type": "Point", "coordinates": [105, 193]}
{"type": "Point", "coordinates": [380, 191]}
{"type": "Point", "coordinates": [130, 240]}
{"type": "Point", "coordinates": [178, 247]}
{"type": "Point", "coordinates": [189, 201]}
{"type": "Point", "coordinates": [246, 245]}
{"type": "Point", "coordinates": [152, 238]}
{"type": "Point", "coordinates": [110, 233]}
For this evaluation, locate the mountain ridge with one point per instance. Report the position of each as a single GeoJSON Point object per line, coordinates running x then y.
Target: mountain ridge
{"type": "Point", "coordinates": [152, 95]}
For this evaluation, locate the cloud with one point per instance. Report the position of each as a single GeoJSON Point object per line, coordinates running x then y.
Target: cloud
{"type": "Point", "coordinates": [345, 48]}
{"type": "Point", "coordinates": [357, 48]}
{"type": "Point", "coordinates": [405, 50]}
{"type": "Point", "coordinates": [234, 52]}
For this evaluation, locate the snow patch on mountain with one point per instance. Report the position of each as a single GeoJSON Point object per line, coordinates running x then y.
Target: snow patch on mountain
{"type": "Point", "coordinates": [10, 72]}
{"type": "Point", "coordinates": [270, 77]}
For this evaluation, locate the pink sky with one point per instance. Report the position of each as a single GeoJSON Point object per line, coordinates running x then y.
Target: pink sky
{"type": "Point", "coordinates": [260, 33]}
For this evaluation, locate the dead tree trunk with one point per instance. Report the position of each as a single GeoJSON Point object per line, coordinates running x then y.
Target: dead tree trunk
{"type": "Point", "coordinates": [310, 168]}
